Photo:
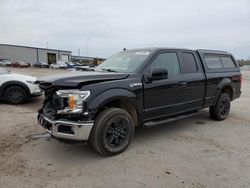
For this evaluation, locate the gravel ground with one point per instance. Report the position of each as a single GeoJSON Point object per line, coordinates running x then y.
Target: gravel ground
{"type": "Point", "coordinates": [196, 152]}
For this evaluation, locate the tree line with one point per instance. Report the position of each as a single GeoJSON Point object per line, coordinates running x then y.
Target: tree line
{"type": "Point", "coordinates": [243, 62]}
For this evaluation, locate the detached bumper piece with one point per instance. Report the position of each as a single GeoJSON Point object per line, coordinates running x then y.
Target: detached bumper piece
{"type": "Point", "coordinates": [36, 94]}
{"type": "Point", "coordinates": [66, 129]}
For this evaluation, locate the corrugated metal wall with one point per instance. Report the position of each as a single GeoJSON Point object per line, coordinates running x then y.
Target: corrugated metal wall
{"type": "Point", "coordinates": [29, 54]}
{"type": "Point", "coordinates": [18, 53]}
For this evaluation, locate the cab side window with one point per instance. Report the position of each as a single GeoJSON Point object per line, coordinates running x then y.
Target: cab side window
{"type": "Point", "coordinates": [188, 63]}
{"type": "Point", "coordinates": [168, 61]}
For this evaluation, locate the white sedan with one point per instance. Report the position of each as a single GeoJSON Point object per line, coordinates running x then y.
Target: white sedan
{"type": "Point", "coordinates": [17, 88]}
{"type": "Point", "coordinates": [59, 65]}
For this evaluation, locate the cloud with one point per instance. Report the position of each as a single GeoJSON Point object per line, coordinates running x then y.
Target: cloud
{"type": "Point", "coordinates": [105, 27]}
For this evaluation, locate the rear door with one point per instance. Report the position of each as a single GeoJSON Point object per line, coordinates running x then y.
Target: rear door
{"type": "Point", "coordinates": [194, 86]}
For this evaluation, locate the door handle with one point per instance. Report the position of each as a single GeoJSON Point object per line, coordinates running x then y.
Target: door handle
{"type": "Point", "coordinates": [183, 84]}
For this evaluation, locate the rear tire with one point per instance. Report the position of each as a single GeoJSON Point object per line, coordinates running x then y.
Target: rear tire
{"type": "Point", "coordinates": [15, 95]}
{"type": "Point", "coordinates": [112, 132]}
{"type": "Point", "coordinates": [221, 110]}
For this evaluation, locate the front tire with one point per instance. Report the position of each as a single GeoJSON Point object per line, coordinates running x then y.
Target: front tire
{"type": "Point", "coordinates": [221, 110]}
{"type": "Point", "coordinates": [15, 95]}
{"type": "Point", "coordinates": [112, 132]}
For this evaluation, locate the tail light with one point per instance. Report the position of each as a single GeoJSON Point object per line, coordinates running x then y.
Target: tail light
{"type": "Point", "coordinates": [238, 79]}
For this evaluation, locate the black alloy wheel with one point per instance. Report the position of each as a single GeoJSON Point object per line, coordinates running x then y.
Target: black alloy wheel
{"type": "Point", "coordinates": [116, 132]}
{"type": "Point", "coordinates": [112, 132]}
{"type": "Point", "coordinates": [222, 108]}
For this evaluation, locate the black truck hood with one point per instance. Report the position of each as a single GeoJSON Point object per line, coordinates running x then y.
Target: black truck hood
{"type": "Point", "coordinates": [75, 78]}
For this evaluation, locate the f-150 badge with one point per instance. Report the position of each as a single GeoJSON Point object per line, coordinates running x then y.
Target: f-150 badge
{"type": "Point", "coordinates": [135, 84]}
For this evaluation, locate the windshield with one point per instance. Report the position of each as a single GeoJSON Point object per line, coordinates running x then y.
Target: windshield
{"type": "Point", "coordinates": [4, 71]}
{"type": "Point", "coordinates": [127, 61]}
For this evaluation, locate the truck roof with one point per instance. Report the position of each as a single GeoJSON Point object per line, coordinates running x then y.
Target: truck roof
{"type": "Point", "coordinates": [201, 51]}
{"type": "Point", "coordinates": [155, 49]}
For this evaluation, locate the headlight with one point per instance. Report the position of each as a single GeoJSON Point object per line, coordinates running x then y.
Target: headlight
{"type": "Point", "coordinates": [75, 99]}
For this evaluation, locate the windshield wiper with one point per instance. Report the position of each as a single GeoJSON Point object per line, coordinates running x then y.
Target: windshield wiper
{"type": "Point", "coordinates": [109, 70]}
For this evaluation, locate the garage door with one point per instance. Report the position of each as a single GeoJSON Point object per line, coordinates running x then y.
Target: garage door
{"type": "Point", "coordinates": [65, 57]}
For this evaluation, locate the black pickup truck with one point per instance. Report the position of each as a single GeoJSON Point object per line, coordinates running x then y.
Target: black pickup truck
{"type": "Point", "coordinates": [140, 87]}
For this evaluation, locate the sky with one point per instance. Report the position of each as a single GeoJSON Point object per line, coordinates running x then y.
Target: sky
{"type": "Point", "coordinates": [100, 28]}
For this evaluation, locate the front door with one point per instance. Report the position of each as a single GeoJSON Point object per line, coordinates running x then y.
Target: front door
{"type": "Point", "coordinates": [164, 97]}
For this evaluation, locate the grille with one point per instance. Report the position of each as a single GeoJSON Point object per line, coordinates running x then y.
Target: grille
{"type": "Point", "coordinates": [58, 102]}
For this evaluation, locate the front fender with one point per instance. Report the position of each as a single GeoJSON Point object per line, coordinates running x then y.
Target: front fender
{"type": "Point", "coordinates": [110, 95]}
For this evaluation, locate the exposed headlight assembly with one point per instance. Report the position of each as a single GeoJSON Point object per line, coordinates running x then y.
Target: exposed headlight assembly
{"type": "Point", "coordinates": [75, 100]}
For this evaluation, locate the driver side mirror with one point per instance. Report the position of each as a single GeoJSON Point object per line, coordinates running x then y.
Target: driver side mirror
{"type": "Point", "coordinates": [159, 74]}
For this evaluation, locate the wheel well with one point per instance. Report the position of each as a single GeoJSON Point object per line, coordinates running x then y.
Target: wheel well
{"type": "Point", "coordinates": [14, 84]}
{"type": "Point", "coordinates": [124, 104]}
{"type": "Point", "coordinates": [229, 91]}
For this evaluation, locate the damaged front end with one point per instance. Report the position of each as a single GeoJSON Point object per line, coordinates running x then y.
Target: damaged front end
{"type": "Point", "coordinates": [64, 114]}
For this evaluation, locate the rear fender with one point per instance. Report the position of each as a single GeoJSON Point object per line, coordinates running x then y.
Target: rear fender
{"type": "Point", "coordinates": [226, 82]}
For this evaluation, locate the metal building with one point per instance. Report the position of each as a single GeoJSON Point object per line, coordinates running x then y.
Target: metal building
{"type": "Point", "coordinates": [84, 60]}
{"type": "Point", "coordinates": [33, 54]}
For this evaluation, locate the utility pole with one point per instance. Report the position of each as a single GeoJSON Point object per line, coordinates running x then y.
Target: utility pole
{"type": "Point", "coordinates": [87, 49]}
{"type": "Point", "coordinates": [87, 46]}
{"type": "Point", "coordinates": [78, 51]}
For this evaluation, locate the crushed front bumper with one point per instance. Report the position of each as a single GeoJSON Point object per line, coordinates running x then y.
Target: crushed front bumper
{"type": "Point", "coordinates": [63, 129]}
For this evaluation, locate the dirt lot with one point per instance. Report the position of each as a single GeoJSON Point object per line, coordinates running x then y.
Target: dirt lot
{"type": "Point", "coordinates": [196, 152]}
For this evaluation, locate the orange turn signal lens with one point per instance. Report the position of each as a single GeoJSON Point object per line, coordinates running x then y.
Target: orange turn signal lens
{"type": "Point", "coordinates": [71, 102]}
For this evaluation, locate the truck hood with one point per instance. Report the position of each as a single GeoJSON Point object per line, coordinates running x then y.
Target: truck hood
{"type": "Point", "coordinates": [76, 78]}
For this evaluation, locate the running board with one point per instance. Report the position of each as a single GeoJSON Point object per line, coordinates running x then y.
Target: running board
{"type": "Point", "coordinates": [182, 116]}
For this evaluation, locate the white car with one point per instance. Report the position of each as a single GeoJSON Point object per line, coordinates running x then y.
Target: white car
{"type": "Point", "coordinates": [5, 63]}
{"type": "Point", "coordinates": [17, 88]}
{"type": "Point", "coordinates": [59, 65]}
